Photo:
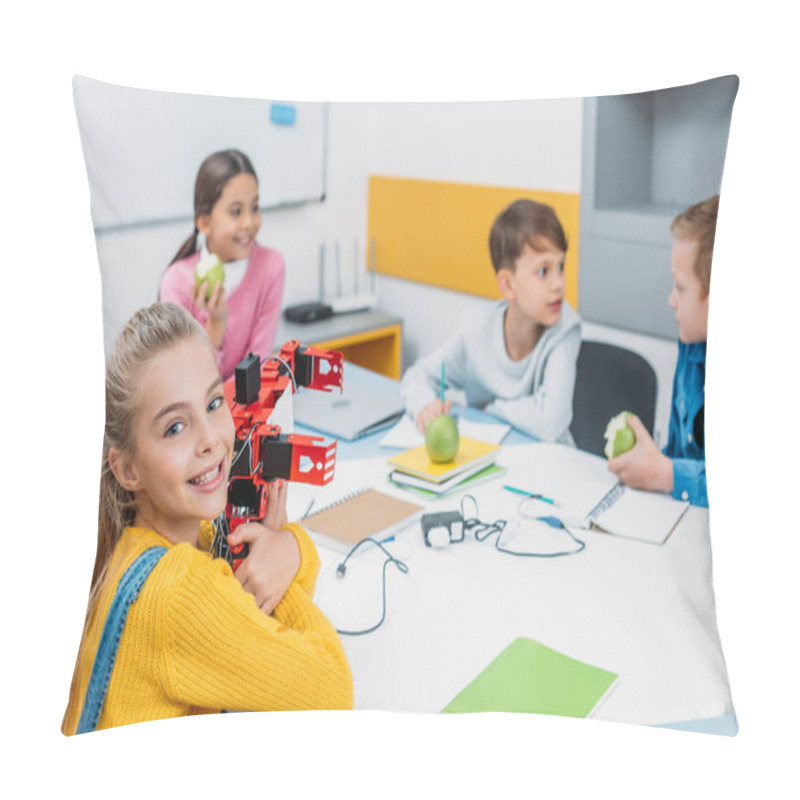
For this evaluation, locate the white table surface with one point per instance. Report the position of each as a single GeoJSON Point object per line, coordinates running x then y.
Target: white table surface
{"type": "Point", "coordinates": [641, 610]}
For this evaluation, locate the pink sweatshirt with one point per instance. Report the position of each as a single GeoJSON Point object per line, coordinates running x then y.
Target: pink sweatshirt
{"type": "Point", "coordinates": [254, 306]}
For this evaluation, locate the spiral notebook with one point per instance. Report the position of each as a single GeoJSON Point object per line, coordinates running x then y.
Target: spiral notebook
{"type": "Point", "coordinates": [635, 514]}
{"type": "Point", "coordinates": [366, 512]}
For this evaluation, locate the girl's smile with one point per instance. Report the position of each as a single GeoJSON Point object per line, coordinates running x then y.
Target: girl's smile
{"type": "Point", "coordinates": [209, 480]}
{"type": "Point", "coordinates": [183, 442]}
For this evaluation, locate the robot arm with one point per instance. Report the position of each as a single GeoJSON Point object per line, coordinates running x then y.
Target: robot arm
{"type": "Point", "coordinates": [261, 452]}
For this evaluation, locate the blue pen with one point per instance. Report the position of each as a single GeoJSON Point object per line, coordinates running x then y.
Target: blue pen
{"type": "Point", "coordinates": [532, 495]}
{"type": "Point", "coordinates": [442, 383]}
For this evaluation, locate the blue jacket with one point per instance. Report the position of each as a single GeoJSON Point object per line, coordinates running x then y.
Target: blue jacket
{"type": "Point", "coordinates": [686, 442]}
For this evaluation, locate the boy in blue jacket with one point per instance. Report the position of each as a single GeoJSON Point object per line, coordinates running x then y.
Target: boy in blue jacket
{"type": "Point", "coordinates": [681, 468]}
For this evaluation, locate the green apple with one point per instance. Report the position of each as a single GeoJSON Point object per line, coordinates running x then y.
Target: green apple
{"type": "Point", "coordinates": [209, 269]}
{"type": "Point", "coordinates": [619, 435]}
{"type": "Point", "coordinates": [441, 439]}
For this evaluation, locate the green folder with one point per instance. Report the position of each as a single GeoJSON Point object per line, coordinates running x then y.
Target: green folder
{"type": "Point", "coordinates": [531, 678]}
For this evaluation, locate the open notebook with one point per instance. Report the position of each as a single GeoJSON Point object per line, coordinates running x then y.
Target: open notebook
{"type": "Point", "coordinates": [649, 516]}
{"type": "Point", "coordinates": [587, 494]}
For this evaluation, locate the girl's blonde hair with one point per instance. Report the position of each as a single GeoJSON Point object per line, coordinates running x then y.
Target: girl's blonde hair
{"type": "Point", "coordinates": [149, 332]}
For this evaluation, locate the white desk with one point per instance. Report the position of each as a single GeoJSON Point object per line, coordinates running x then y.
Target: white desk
{"type": "Point", "coordinates": [643, 611]}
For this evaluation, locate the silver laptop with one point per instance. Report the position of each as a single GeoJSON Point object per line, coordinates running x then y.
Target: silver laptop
{"type": "Point", "coordinates": [350, 415]}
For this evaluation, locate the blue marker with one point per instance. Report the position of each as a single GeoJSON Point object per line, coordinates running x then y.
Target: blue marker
{"type": "Point", "coordinates": [532, 495]}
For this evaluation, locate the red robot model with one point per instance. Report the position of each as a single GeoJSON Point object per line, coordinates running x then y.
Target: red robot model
{"type": "Point", "coordinates": [261, 452]}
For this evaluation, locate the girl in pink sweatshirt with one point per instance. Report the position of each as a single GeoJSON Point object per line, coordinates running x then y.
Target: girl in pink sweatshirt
{"type": "Point", "coordinates": [240, 315]}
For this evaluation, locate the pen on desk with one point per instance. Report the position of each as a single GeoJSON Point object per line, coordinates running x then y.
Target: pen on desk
{"type": "Point", "coordinates": [442, 389]}
{"type": "Point", "coordinates": [532, 495]}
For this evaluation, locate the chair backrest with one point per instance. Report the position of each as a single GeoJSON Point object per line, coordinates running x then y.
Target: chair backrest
{"type": "Point", "coordinates": [610, 379]}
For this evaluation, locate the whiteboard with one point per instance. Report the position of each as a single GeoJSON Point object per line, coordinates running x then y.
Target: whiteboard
{"type": "Point", "coordinates": [143, 148]}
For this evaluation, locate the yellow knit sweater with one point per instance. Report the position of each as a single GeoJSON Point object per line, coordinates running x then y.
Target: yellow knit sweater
{"type": "Point", "coordinates": [195, 642]}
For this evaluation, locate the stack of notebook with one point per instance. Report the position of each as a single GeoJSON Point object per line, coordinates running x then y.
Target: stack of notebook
{"type": "Point", "coordinates": [473, 464]}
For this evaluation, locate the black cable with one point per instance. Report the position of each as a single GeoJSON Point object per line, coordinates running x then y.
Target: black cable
{"type": "Point", "coordinates": [581, 545]}
{"type": "Point", "coordinates": [483, 530]}
{"type": "Point", "coordinates": [341, 569]}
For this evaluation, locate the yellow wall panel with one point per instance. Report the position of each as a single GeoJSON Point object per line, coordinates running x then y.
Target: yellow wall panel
{"type": "Point", "coordinates": [437, 233]}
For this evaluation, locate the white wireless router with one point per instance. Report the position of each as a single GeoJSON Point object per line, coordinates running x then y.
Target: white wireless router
{"type": "Point", "coordinates": [359, 300]}
{"type": "Point", "coordinates": [354, 302]}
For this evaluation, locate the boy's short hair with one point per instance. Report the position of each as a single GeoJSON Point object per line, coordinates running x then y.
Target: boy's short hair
{"type": "Point", "coordinates": [699, 224]}
{"type": "Point", "coordinates": [523, 222]}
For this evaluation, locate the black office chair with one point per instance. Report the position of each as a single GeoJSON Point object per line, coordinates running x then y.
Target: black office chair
{"type": "Point", "coordinates": [610, 379]}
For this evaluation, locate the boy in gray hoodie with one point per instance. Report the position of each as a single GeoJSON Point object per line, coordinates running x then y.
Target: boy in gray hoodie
{"type": "Point", "coordinates": [517, 361]}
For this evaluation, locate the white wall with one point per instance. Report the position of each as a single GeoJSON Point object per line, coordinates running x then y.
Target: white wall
{"type": "Point", "coordinates": [528, 144]}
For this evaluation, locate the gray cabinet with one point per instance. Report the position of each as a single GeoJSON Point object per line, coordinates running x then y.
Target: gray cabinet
{"type": "Point", "coordinates": [646, 157]}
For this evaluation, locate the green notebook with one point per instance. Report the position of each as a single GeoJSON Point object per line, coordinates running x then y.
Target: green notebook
{"type": "Point", "coordinates": [531, 678]}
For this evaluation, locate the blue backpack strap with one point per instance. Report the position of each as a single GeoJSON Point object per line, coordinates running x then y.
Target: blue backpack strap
{"type": "Point", "coordinates": [127, 591]}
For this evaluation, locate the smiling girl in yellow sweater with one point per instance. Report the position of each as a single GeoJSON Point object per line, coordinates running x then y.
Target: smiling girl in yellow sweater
{"type": "Point", "coordinates": [198, 639]}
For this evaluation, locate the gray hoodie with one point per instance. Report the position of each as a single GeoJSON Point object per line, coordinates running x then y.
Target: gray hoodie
{"type": "Point", "coordinates": [534, 394]}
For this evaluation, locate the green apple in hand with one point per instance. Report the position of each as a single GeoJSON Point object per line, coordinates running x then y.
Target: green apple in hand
{"type": "Point", "coordinates": [619, 436]}
{"type": "Point", "coordinates": [441, 439]}
{"type": "Point", "coordinates": [209, 269]}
